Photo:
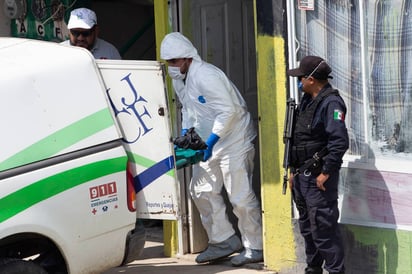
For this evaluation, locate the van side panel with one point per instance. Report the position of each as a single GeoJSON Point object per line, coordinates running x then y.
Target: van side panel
{"type": "Point", "coordinates": [79, 205]}
{"type": "Point", "coordinates": [53, 100]}
{"type": "Point", "coordinates": [62, 165]}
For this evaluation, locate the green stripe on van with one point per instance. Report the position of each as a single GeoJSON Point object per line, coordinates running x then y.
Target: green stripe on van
{"type": "Point", "coordinates": [61, 139]}
{"type": "Point", "coordinates": [46, 188]}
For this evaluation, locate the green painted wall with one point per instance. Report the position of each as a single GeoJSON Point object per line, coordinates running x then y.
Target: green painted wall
{"type": "Point", "coordinates": [43, 22]}
{"type": "Point", "coordinates": [377, 250]}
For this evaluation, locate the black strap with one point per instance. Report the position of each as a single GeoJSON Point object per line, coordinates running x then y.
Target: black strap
{"type": "Point", "coordinates": [313, 162]}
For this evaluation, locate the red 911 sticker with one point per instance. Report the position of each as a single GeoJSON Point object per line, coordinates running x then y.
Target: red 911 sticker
{"type": "Point", "coordinates": [103, 198]}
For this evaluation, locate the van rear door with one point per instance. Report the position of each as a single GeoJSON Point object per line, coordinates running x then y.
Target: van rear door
{"type": "Point", "coordinates": [137, 93]}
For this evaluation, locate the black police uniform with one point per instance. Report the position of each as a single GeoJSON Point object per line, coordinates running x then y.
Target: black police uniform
{"type": "Point", "coordinates": [320, 124]}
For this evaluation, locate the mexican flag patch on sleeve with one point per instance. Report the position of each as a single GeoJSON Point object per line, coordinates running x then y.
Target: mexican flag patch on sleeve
{"type": "Point", "coordinates": [338, 115]}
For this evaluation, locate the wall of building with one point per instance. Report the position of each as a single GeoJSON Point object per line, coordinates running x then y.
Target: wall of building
{"type": "Point", "coordinates": [279, 241]}
{"type": "Point", "coordinates": [4, 22]}
{"type": "Point", "coordinates": [129, 25]}
{"type": "Point", "coordinates": [367, 44]}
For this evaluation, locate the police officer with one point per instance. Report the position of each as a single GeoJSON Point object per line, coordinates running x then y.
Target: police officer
{"type": "Point", "coordinates": [320, 140]}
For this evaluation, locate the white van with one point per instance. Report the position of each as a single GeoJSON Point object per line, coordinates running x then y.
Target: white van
{"type": "Point", "coordinates": [80, 141]}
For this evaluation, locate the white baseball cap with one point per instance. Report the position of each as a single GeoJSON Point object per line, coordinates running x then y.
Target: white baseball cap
{"type": "Point", "coordinates": [82, 18]}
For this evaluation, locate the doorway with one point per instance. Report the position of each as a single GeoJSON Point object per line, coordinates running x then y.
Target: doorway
{"type": "Point", "coordinates": [223, 33]}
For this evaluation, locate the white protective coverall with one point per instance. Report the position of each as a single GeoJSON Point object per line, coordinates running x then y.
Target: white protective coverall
{"type": "Point", "coordinates": [212, 104]}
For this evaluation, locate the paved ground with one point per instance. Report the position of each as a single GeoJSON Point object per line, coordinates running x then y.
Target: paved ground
{"type": "Point", "coordinates": [153, 261]}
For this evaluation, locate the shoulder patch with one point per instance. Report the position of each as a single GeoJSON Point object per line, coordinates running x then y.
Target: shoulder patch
{"type": "Point", "coordinates": [338, 115]}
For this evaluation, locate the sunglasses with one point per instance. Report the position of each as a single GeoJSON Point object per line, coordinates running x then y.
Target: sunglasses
{"type": "Point", "coordinates": [84, 33]}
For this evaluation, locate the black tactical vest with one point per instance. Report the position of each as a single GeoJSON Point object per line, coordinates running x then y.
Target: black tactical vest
{"type": "Point", "coordinates": [306, 140]}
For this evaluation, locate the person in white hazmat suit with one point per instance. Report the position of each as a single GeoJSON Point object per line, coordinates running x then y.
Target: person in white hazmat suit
{"type": "Point", "coordinates": [214, 107]}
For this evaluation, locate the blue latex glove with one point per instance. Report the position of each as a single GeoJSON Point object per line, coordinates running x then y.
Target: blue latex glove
{"type": "Point", "coordinates": [211, 141]}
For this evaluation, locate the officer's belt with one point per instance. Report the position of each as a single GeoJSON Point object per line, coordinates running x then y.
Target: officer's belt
{"type": "Point", "coordinates": [312, 163]}
{"type": "Point", "coordinates": [301, 153]}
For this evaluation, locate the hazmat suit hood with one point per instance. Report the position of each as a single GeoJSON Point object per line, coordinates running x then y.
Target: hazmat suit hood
{"type": "Point", "coordinates": [175, 45]}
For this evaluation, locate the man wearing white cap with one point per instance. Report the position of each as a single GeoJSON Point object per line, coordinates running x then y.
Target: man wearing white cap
{"type": "Point", "coordinates": [214, 107]}
{"type": "Point", "coordinates": [83, 32]}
